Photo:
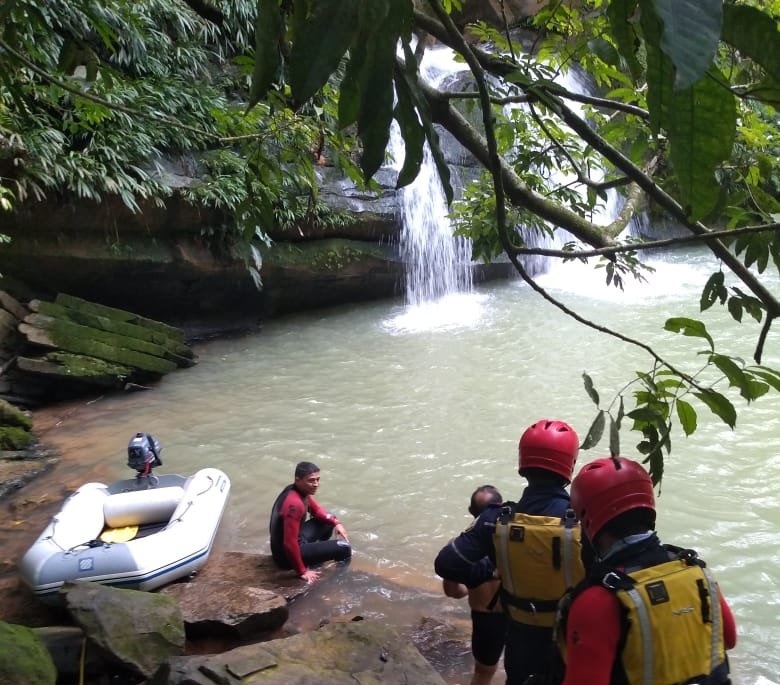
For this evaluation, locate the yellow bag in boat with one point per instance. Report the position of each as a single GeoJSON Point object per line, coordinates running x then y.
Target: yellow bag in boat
{"type": "Point", "coordinates": [123, 534]}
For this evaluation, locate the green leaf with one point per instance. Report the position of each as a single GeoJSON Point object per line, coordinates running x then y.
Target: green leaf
{"type": "Point", "coordinates": [621, 412]}
{"type": "Point", "coordinates": [351, 85]}
{"type": "Point", "coordinates": [754, 34]}
{"type": "Point", "coordinates": [691, 32]}
{"type": "Point", "coordinates": [319, 46]}
{"type": "Point", "coordinates": [701, 135]}
{"type": "Point", "coordinates": [689, 327]}
{"type": "Point", "coordinates": [735, 308]}
{"type": "Point", "coordinates": [614, 437]}
{"type": "Point", "coordinates": [769, 375]}
{"type": "Point", "coordinates": [755, 389]}
{"type": "Point", "coordinates": [595, 432]}
{"type": "Point", "coordinates": [376, 98]}
{"type": "Point", "coordinates": [714, 290]}
{"type": "Point", "coordinates": [767, 90]}
{"type": "Point", "coordinates": [594, 396]}
{"type": "Point", "coordinates": [411, 131]}
{"type": "Point", "coordinates": [646, 415]}
{"type": "Point", "coordinates": [268, 36]}
{"type": "Point", "coordinates": [421, 104]}
{"type": "Point", "coordinates": [719, 405]}
{"type": "Point", "coordinates": [735, 375]}
{"type": "Point", "coordinates": [619, 13]}
{"type": "Point", "coordinates": [660, 70]}
{"type": "Point", "coordinates": [687, 416]}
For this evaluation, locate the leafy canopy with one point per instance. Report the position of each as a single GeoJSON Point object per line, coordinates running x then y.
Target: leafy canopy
{"type": "Point", "coordinates": [685, 122]}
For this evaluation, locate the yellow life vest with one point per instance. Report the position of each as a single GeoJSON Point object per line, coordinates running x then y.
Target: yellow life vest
{"type": "Point", "coordinates": [538, 559]}
{"type": "Point", "coordinates": [675, 626]}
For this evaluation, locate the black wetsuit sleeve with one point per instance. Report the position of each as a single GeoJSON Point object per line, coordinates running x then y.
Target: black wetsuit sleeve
{"type": "Point", "coordinates": [465, 558]}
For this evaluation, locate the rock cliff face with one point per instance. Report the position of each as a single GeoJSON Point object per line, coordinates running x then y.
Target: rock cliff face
{"type": "Point", "coordinates": [161, 262]}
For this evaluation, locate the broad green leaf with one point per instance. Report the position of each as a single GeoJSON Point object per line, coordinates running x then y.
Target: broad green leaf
{"type": "Point", "coordinates": [755, 389]}
{"type": "Point", "coordinates": [646, 415]}
{"type": "Point", "coordinates": [735, 375]}
{"type": "Point", "coordinates": [767, 90]}
{"type": "Point", "coordinates": [701, 130]}
{"type": "Point", "coordinates": [713, 290]}
{"type": "Point", "coordinates": [660, 70]}
{"type": "Point", "coordinates": [590, 389]}
{"type": "Point", "coordinates": [687, 416]}
{"type": "Point", "coordinates": [655, 459]}
{"type": "Point", "coordinates": [595, 432]}
{"type": "Point", "coordinates": [754, 34]}
{"type": "Point", "coordinates": [735, 308]}
{"type": "Point", "coordinates": [376, 104]}
{"type": "Point", "coordinates": [351, 84]}
{"type": "Point", "coordinates": [690, 36]}
{"type": "Point", "coordinates": [319, 46]}
{"type": "Point", "coordinates": [421, 104]}
{"type": "Point", "coordinates": [268, 36]}
{"type": "Point", "coordinates": [619, 13]}
{"type": "Point", "coordinates": [769, 375]}
{"type": "Point", "coordinates": [719, 405]}
{"type": "Point", "coordinates": [689, 327]}
{"type": "Point", "coordinates": [411, 131]}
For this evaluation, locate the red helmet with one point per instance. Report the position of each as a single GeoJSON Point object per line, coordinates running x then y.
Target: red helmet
{"type": "Point", "coordinates": [549, 445]}
{"type": "Point", "coordinates": [605, 488]}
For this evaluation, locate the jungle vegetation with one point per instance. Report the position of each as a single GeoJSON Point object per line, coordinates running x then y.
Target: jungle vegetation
{"type": "Point", "coordinates": [684, 123]}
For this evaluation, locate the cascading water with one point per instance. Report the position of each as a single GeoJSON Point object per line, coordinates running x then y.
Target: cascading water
{"type": "Point", "coordinates": [437, 263]}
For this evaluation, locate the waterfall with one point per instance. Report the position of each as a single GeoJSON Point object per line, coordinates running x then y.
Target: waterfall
{"type": "Point", "coordinates": [438, 263]}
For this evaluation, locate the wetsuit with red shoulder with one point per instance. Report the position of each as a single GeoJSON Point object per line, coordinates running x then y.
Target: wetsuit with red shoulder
{"type": "Point", "coordinates": [288, 533]}
{"type": "Point", "coordinates": [594, 633]}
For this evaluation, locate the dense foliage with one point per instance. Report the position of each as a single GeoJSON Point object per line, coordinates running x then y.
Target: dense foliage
{"type": "Point", "coordinates": [687, 115]}
{"type": "Point", "coordinates": [96, 98]}
{"type": "Point", "coordinates": [94, 95]}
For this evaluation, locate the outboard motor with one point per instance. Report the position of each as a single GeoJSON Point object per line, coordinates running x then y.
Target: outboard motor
{"type": "Point", "coordinates": [143, 453]}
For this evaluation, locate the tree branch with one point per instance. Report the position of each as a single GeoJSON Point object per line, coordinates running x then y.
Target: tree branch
{"type": "Point", "coordinates": [602, 103]}
{"type": "Point", "coordinates": [639, 247]}
{"type": "Point", "coordinates": [498, 170]}
{"type": "Point", "coordinates": [518, 193]}
{"type": "Point", "coordinates": [500, 66]}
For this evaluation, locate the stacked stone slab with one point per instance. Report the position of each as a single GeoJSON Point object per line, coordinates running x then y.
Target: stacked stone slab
{"type": "Point", "coordinates": [59, 349]}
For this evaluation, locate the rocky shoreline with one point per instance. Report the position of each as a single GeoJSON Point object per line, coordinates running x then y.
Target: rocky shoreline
{"type": "Point", "coordinates": [236, 606]}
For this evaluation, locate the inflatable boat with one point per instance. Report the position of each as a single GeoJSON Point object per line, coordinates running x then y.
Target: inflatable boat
{"type": "Point", "coordinates": [138, 533]}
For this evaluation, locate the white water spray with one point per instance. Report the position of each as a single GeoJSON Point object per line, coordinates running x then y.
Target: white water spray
{"type": "Point", "coordinates": [438, 264]}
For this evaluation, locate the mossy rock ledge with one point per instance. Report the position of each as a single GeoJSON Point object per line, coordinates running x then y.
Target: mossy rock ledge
{"type": "Point", "coordinates": [60, 349]}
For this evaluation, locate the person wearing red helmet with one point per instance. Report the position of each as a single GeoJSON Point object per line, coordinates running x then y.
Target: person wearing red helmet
{"type": "Point", "coordinates": [647, 613]}
{"type": "Point", "coordinates": [534, 544]}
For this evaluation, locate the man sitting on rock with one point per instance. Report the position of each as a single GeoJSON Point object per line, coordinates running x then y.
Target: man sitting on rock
{"type": "Point", "coordinates": [297, 543]}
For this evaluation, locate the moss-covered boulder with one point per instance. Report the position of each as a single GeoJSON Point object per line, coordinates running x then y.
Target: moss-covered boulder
{"type": "Point", "coordinates": [136, 630]}
{"type": "Point", "coordinates": [12, 416]}
{"type": "Point", "coordinates": [25, 660]}
{"type": "Point", "coordinates": [366, 652]}
{"type": "Point", "coordinates": [15, 428]}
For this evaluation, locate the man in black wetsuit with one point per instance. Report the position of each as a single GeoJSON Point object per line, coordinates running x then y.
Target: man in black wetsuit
{"type": "Point", "coordinates": [297, 543]}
